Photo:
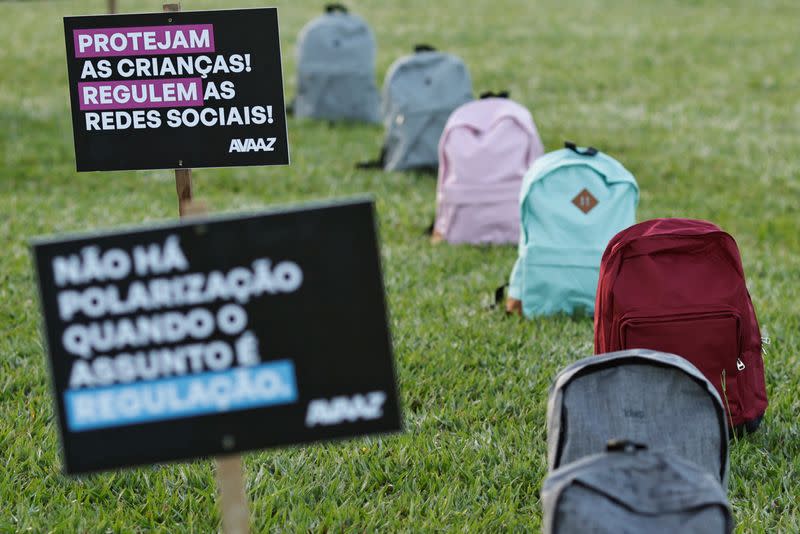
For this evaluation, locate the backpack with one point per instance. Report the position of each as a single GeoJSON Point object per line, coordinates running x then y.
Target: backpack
{"type": "Point", "coordinates": [419, 94]}
{"type": "Point", "coordinates": [486, 147]}
{"type": "Point", "coordinates": [649, 397]}
{"type": "Point", "coordinates": [336, 69]}
{"type": "Point", "coordinates": [629, 490]}
{"type": "Point", "coordinates": [677, 285]}
{"type": "Point", "coordinates": [572, 202]}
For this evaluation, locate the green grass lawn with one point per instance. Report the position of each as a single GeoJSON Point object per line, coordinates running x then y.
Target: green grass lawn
{"type": "Point", "coordinates": [699, 99]}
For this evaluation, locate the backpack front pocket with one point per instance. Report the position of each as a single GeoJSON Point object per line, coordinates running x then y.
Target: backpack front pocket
{"type": "Point", "coordinates": [478, 213]}
{"type": "Point", "coordinates": [559, 280]}
{"type": "Point", "coordinates": [338, 96]}
{"type": "Point", "coordinates": [711, 340]}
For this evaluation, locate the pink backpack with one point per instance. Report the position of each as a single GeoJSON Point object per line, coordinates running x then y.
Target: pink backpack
{"type": "Point", "coordinates": [486, 147]}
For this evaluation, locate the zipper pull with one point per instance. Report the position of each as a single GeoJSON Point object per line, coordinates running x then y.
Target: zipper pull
{"type": "Point", "coordinates": [739, 364]}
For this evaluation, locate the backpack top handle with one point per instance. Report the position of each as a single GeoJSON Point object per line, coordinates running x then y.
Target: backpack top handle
{"type": "Point", "coordinates": [491, 94]}
{"type": "Point", "coordinates": [424, 48]}
{"type": "Point", "coordinates": [590, 151]}
{"type": "Point", "coordinates": [333, 8]}
{"type": "Point", "coordinates": [624, 445]}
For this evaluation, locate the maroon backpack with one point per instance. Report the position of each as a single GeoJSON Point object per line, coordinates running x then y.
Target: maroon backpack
{"type": "Point", "coordinates": [677, 285]}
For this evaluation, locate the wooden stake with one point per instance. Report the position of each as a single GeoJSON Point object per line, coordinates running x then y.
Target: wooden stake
{"type": "Point", "coordinates": [183, 186]}
{"type": "Point", "coordinates": [183, 177]}
{"type": "Point", "coordinates": [193, 208]}
{"type": "Point", "coordinates": [232, 498]}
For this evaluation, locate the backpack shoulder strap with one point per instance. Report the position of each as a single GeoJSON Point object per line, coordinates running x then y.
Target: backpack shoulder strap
{"type": "Point", "coordinates": [375, 163]}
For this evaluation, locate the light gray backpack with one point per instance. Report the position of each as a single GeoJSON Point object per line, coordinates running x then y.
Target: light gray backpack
{"type": "Point", "coordinates": [336, 68]}
{"type": "Point", "coordinates": [630, 490]}
{"type": "Point", "coordinates": [419, 94]}
{"type": "Point", "coordinates": [649, 397]}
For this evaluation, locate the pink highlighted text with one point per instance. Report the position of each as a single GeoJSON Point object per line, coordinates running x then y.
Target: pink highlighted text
{"type": "Point", "coordinates": [178, 92]}
{"type": "Point", "coordinates": [144, 40]}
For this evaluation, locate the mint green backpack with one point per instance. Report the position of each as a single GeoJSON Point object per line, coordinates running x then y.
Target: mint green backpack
{"type": "Point", "coordinates": [572, 201]}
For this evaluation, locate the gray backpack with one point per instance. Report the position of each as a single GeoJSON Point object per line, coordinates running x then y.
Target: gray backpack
{"type": "Point", "coordinates": [629, 489]}
{"type": "Point", "coordinates": [336, 69]}
{"type": "Point", "coordinates": [419, 94]}
{"type": "Point", "coordinates": [645, 396]}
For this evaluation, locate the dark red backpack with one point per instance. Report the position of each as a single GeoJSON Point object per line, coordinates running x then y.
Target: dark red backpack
{"type": "Point", "coordinates": [677, 285]}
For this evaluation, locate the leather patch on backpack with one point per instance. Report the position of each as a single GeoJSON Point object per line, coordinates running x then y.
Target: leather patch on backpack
{"type": "Point", "coordinates": [585, 201]}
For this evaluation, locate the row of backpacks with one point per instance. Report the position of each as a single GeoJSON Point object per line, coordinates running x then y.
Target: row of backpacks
{"type": "Point", "coordinates": [656, 289]}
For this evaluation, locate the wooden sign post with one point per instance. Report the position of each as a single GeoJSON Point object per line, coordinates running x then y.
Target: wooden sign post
{"type": "Point", "coordinates": [183, 177]}
{"type": "Point", "coordinates": [183, 185]}
{"type": "Point", "coordinates": [232, 498]}
{"type": "Point", "coordinates": [229, 473]}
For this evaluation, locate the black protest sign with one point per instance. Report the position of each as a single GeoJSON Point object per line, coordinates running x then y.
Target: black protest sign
{"type": "Point", "coordinates": [217, 335]}
{"type": "Point", "coordinates": [171, 90]}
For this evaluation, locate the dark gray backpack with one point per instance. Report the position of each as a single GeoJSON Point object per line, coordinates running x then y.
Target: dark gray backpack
{"type": "Point", "coordinates": [649, 397]}
{"type": "Point", "coordinates": [336, 69]}
{"type": "Point", "coordinates": [419, 94]}
{"type": "Point", "coordinates": [629, 489]}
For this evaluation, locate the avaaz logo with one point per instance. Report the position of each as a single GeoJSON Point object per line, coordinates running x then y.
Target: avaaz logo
{"type": "Point", "coordinates": [260, 144]}
{"type": "Point", "coordinates": [342, 409]}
